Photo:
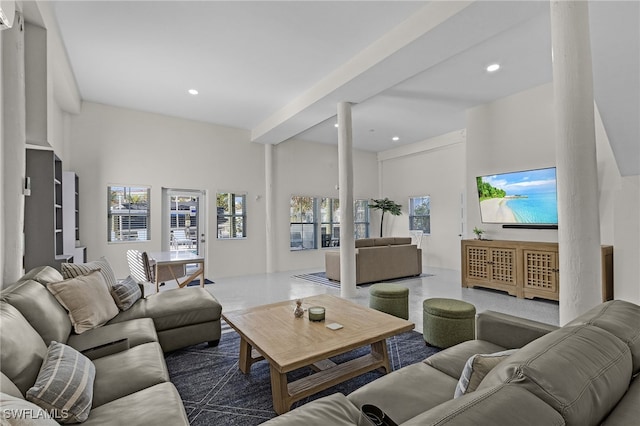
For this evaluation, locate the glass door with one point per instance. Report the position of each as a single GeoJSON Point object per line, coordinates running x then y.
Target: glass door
{"type": "Point", "coordinates": [185, 221]}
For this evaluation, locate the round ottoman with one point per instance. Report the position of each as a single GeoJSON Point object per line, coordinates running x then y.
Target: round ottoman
{"type": "Point", "coordinates": [447, 322]}
{"type": "Point", "coordinates": [390, 298]}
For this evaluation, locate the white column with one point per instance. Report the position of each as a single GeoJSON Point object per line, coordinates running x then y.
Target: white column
{"type": "Point", "coordinates": [345, 181]}
{"type": "Point", "coordinates": [269, 204]}
{"type": "Point", "coordinates": [578, 211]}
{"type": "Point", "coordinates": [13, 150]}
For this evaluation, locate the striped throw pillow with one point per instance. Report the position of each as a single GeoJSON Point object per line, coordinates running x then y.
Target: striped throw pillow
{"type": "Point", "coordinates": [126, 293]}
{"type": "Point", "coordinates": [72, 270]}
{"type": "Point", "coordinates": [64, 387]}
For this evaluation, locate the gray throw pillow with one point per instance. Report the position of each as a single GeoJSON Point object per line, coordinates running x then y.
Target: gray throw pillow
{"type": "Point", "coordinates": [126, 293]}
{"type": "Point", "coordinates": [72, 270]}
{"type": "Point", "coordinates": [64, 387]}
{"type": "Point", "coordinates": [476, 368]}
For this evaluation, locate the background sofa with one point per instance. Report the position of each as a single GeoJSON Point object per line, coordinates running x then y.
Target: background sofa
{"type": "Point", "coordinates": [585, 373]}
{"type": "Point", "coordinates": [131, 384]}
{"type": "Point", "coordinates": [379, 259]}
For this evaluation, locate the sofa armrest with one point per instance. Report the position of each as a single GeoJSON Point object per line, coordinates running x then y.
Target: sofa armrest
{"type": "Point", "coordinates": [332, 265]}
{"type": "Point", "coordinates": [509, 331]}
{"type": "Point", "coordinates": [109, 348]}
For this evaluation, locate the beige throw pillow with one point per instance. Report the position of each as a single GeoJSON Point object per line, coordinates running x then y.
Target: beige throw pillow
{"type": "Point", "coordinates": [87, 300]}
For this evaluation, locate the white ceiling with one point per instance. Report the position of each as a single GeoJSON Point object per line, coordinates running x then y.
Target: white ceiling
{"type": "Point", "coordinates": [278, 69]}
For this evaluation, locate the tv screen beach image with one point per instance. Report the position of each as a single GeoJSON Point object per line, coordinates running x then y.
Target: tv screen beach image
{"type": "Point", "coordinates": [527, 197]}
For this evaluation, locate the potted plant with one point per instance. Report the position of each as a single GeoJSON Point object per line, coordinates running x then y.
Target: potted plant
{"type": "Point", "coordinates": [478, 233]}
{"type": "Point", "coordinates": [386, 205]}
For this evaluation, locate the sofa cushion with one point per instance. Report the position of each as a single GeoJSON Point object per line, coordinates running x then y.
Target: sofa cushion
{"type": "Point", "coordinates": [499, 405]}
{"type": "Point", "coordinates": [136, 331]}
{"type": "Point", "coordinates": [40, 308]}
{"type": "Point", "coordinates": [156, 405]}
{"type": "Point", "coordinates": [87, 299]}
{"type": "Point", "coordinates": [476, 368]}
{"type": "Point", "coordinates": [72, 270]}
{"type": "Point", "coordinates": [8, 387]}
{"type": "Point", "coordinates": [125, 293]}
{"type": "Point", "coordinates": [406, 392]}
{"type": "Point", "coordinates": [619, 318]}
{"type": "Point", "coordinates": [43, 274]}
{"type": "Point", "coordinates": [452, 360]}
{"type": "Point", "coordinates": [20, 412]}
{"type": "Point", "coordinates": [64, 386]}
{"type": "Point", "coordinates": [627, 411]}
{"type": "Point", "coordinates": [334, 410]}
{"type": "Point", "coordinates": [581, 371]}
{"type": "Point", "coordinates": [127, 372]}
{"type": "Point", "coordinates": [175, 308]}
{"type": "Point", "coordinates": [364, 242]}
{"type": "Point", "coordinates": [22, 348]}
{"type": "Point", "coordinates": [385, 241]}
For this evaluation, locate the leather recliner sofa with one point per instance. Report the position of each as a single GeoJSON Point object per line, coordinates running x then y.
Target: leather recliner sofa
{"type": "Point", "coordinates": [585, 373]}
{"type": "Point", "coordinates": [131, 384]}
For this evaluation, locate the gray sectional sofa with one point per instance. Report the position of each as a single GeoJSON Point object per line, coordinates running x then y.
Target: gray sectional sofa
{"type": "Point", "coordinates": [126, 355]}
{"type": "Point", "coordinates": [585, 373]}
{"type": "Point", "coordinates": [379, 259]}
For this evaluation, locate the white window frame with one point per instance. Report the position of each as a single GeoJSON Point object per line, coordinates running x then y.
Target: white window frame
{"type": "Point", "coordinates": [119, 205]}
{"type": "Point", "coordinates": [418, 202]}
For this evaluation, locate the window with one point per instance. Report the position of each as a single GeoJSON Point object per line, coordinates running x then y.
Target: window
{"type": "Point", "coordinates": [128, 213]}
{"type": "Point", "coordinates": [361, 213]}
{"type": "Point", "coordinates": [232, 215]}
{"type": "Point", "coordinates": [420, 214]}
{"type": "Point", "coordinates": [303, 225]}
{"type": "Point", "coordinates": [305, 228]}
{"type": "Point", "coordinates": [330, 222]}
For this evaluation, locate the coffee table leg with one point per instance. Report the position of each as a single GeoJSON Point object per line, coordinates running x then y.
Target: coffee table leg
{"type": "Point", "coordinates": [380, 349]}
{"type": "Point", "coordinates": [279, 391]}
{"type": "Point", "coordinates": [245, 356]}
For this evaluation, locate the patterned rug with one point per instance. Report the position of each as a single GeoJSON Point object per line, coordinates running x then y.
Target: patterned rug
{"type": "Point", "coordinates": [215, 392]}
{"type": "Point", "coordinates": [321, 278]}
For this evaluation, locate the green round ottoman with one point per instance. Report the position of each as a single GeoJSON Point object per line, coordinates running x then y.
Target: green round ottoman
{"type": "Point", "coordinates": [447, 322]}
{"type": "Point", "coordinates": [390, 298]}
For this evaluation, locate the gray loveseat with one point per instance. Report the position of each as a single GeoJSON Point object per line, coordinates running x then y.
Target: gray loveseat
{"type": "Point", "coordinates": [585, 373]}
{"type": "Point", "coordinates": [131, 384]}
{"type": "Point", "coordinates": [379, 259]}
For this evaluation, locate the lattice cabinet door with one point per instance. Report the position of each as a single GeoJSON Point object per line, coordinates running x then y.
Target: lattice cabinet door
{"type": "Point", "coordinates": [477, 258]}
{"type": "Point", "coordinates": [541, 274]}
{"type": "Point", "coordinates": [503, 266]}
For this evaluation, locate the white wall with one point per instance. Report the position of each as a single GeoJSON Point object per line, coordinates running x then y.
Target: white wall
{"type": "Point", "coordinates": [518, 133]}
{"type": "Point", "coordinates": [511, 134]}
{"type": "Point", "coordinates": [112, 145]}
{"type": "Point", "coordinates": [311, 169]}
{"type": "Point", "coordinates": [436, 168]}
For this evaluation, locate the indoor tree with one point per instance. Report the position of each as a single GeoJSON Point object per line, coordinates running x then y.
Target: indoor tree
{"type": "Point", "coordinates": [386, 205]}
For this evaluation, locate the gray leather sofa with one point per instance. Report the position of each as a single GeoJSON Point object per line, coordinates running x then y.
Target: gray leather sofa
{"type": "Point", "coordinates": [585, 373]}
{"type": "Point", "coordinates": [131, 384]}
{"type": "Point", "coordinates": [379, 259]}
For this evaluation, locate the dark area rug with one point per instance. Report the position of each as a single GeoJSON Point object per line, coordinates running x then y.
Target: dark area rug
{"type": "Point", "coordinates": [197, 282]}
{"type": "Point", "coordinates": [321, 278]}
{"type": "Point", "coordinates": [215, 392]}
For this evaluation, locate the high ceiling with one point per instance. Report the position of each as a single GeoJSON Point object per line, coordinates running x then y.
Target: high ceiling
{"type": "Point", "coordinates": [278, 68]}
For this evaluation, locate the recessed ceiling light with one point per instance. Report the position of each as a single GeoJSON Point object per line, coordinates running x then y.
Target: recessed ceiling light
{"type": "Point", "coordinates": [193, 92]}
{"type": "Point", "coordinates": [335, 125]}
{"type": "Point", "coordinates": [493, 67]}
{"type": "Point", "coordinates": [395, 139]}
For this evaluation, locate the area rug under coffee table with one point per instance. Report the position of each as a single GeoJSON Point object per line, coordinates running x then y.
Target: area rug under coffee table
{"type": "Point", "coordinates": [215, 392]}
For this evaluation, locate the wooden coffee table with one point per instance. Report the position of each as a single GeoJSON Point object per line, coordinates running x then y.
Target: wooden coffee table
{"type": "Point", "coordinates": [272, 332]}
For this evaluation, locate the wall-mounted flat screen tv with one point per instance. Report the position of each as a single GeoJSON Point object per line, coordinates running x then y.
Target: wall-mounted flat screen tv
{"type": "Point", "coordinates": [525, 197]}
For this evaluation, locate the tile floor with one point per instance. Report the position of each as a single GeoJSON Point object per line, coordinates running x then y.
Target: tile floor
{"type": "Point", "coordinates": [252, 290]}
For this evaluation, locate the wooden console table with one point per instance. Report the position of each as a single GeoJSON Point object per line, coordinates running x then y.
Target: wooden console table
{"type": "Point", "coordinates": [522, 268]}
